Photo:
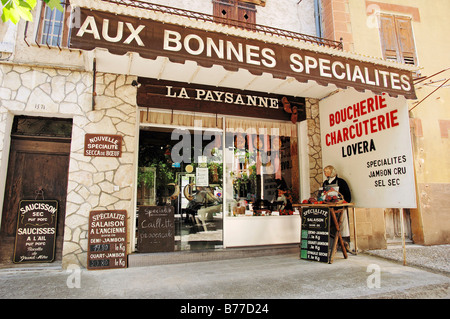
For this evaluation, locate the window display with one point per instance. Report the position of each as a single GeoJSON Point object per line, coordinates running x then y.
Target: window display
{"type": "Point", "coordinates": [249, 175]}
{"type": "Point", "coordinates": [262, 173]}
{"type": "Point", "coordinates": [174, 175]}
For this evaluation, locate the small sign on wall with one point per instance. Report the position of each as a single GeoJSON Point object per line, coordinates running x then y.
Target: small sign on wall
{"type": "Point", "coordinates": [101, 145]}
{"type": "Point", "coordinates": [107, 241]}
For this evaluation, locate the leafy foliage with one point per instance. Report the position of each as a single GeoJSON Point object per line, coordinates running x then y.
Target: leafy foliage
{"type": "Point", "coordinates": [14, 10]}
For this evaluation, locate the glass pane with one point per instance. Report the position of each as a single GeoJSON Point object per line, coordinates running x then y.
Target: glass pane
{"type": "Point", "coordinates": [46, 28]}
{"type": "Point", "coordinates": [58, 15]}
{"type": "Point", "coordinates": [39, 126]}
{"type": "Point", "coordinates": [57, 28]}
{"type": "Point", "coordinates": [48, 13]}
{"type": "Point", "coordinates": [262, 173]}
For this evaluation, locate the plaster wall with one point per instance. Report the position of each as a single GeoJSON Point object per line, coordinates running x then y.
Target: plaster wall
{"type": "Point", "coordinates": [430, 120]}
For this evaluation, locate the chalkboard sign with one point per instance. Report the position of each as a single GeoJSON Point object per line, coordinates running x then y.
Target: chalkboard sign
{"type": "Point", "coordinates": [315, 234]}
{"type": "Point", "coordinates": [156, 229]}
{"type": "Point", "coordinates": [107, 240]}
{"type": "Point", "coordinates": [36, 231]}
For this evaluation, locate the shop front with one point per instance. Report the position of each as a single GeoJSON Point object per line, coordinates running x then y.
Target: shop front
{"type": "Point", "coordinates": [228, 133]}
{"type": "Point", "coordinates": [226, 160]}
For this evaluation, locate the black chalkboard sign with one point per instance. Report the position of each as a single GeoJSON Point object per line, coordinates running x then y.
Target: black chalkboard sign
{"type": "Point", "coordinates": [315, 234]}
{"type": "Point", "coordinates": [156, 229]}
{"type": "Point", "coordinates": [36, 231]}
{"type": "Point", "coordinates": [107, 240]}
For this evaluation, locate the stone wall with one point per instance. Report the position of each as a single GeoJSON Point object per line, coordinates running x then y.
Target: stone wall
{"type": "Point", "coordinates": [95, 183]}
{"type": "Point", "coordinates": [101, 183]}
{"type": "Point", "coordinates": [314, 145]}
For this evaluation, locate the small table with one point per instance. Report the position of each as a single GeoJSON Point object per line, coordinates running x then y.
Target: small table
{"type": "Point", "coordinates": [334, 209]}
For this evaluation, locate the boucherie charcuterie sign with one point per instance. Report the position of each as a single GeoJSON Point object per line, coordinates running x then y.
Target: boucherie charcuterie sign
{"type": "Point", "coordinates": [101, 145]}
{"type": "Point", "coordinates": [123, 34]}
{"type": "Point", "coordinates": [366, 138]}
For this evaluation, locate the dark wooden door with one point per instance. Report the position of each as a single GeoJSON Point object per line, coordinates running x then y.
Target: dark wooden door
{"type": "Point", "coordinates": [37, 169]}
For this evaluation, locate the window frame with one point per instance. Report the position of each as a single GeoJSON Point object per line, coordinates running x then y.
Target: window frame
{"type": "Point", "coordinates": [392, 46]}
{"type": "Point", "coordinates": [63, 38]}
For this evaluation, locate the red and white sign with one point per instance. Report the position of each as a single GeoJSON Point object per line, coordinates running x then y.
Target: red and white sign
{"type": "Point", "coordinates": [366, 138]}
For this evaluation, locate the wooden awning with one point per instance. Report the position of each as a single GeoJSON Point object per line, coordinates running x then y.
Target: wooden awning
{"type": "Point", "coordinates": [149, 47]}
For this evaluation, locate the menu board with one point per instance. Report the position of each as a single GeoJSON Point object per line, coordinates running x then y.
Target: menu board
{"type": "Point", "coordinates": [107, 242]}
{"type": "Point", "coordinates": [315, 234]}
{"type": "Point", "coordinates": [156, 229]}
{"type": "Point", "coordinates": [36, 231]}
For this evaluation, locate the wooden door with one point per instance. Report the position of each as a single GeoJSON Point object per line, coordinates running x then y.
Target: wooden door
{"type": "Point", "coordinates": [37, 169]}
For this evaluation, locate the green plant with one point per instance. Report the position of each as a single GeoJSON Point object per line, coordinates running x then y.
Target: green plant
{"type": "Point", "coordinates": [14, 10]}
{"type": "Point", "coordinates": [146, 177]}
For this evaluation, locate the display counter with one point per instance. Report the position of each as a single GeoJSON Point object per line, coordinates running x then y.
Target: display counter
{"type": "Point", "coordinates": [245, 230]}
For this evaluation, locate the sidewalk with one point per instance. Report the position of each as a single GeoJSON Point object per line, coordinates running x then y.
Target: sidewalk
{"type": "Point", "coordinates": [436, 258]}
{"type": "Point", "coordinates": [362, 276]}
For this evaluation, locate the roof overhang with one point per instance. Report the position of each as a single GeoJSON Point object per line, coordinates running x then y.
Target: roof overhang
{"type": "Point", "coordinates": [146, 43]}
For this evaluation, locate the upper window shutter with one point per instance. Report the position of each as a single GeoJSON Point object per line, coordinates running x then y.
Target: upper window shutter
{"type": "Point", "coordinates": [397, 39]}
{"type": "Point", "coordinates": [405, 40]}
{"type": "Point", "coordinates": [223, 9]}
{"type": "Point", "coordinates": [246, 12]}
{"type": "Point", "coordinates": [234, 10]}
{"type": "Point", "coordinates": [389, 43]}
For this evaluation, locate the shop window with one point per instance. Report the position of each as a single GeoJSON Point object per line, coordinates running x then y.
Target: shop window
{"type": "Point", "coordinates": [397, 39]}
{"type": "Point", "coordinates": [262, 168]}
{"type": "Point", "coordinates": [53, 27]}
{"type": "Point", "coordinates": [175, 171]}
{"type": "Point", "coordinates": [232, 12]}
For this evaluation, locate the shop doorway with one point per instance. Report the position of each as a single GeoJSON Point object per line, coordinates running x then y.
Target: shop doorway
{"type": "Point", "coordinates": [182, 168]}
{"type": "Point", "coordinates": [37, 170]}
{"type": "Point", "coordinates": [394, 228]}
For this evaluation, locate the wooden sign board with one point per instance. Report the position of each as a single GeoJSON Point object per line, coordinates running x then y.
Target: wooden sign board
{"type": "Point", "coordinates": [210, 99]}
{"type": "Point", "coordinates": [315, 234]}
{"type": "Point", "coordinates": [151, 39]}
{"type": "Point", "coordinates": [156, 229]}
{"type": "Point", "coordinates": [107, 242]}
{"type": "Point", "coordinates": [36, 231]}
{"type": "Point", "coordinates": [100, 145]}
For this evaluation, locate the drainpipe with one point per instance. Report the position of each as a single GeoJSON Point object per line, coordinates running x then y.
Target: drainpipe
{"type": "Point", "coordinates": [94, 74]}
{"type": "Point", "coordinates": [318, 18]}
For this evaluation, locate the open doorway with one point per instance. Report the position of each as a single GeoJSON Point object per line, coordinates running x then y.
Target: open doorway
{"type": "Point", "coordinates": [182, 169]}
{"type": "Point", "coordinates": [394, 228]}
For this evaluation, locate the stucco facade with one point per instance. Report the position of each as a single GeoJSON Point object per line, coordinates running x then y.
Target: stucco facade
{"type": "Point", "coordinates": [357, 22]}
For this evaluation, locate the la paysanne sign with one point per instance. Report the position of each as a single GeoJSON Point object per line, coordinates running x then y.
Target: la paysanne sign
{"type": "Point", "coordinates": [149, 38]}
